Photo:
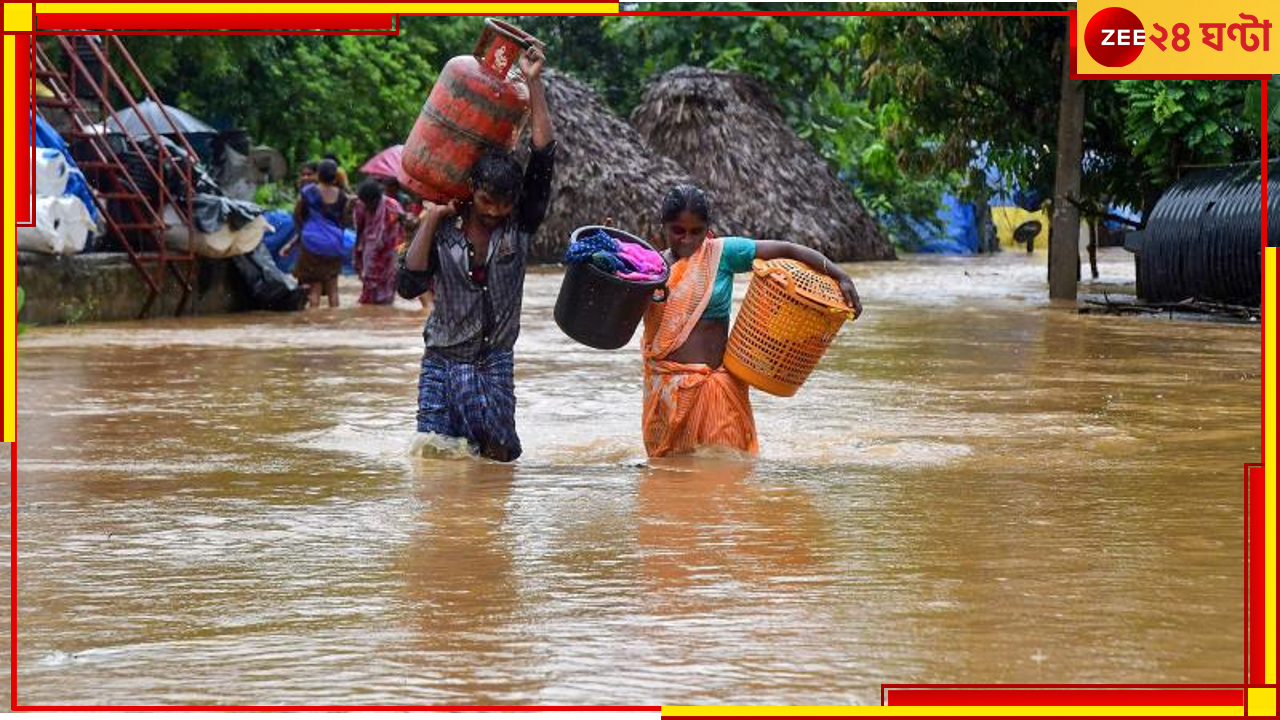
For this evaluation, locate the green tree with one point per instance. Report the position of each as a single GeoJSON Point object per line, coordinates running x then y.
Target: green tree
{"type": "Point", "coordinates": [1171, 123]}
{"type": "Point", "coordinates": [984, 85]}
{"type": "Point", "coordinates": [899, 106]}
{"type": "Point", "coordinates": [812, 67]}
{"type": "Point", "coordinates": [993, 84]}
{"type": "Point", "coordinates": [306, 95]}
{"type": "Point", "coordinates": [353, 95]}
{"type": "Point", "coordinates": [1253, 109]}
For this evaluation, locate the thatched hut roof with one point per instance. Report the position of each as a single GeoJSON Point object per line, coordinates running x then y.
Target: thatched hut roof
{"type": "Point", "coordinates": [604, 169]}
{"type": "Point", "coordinates": [728, 133]}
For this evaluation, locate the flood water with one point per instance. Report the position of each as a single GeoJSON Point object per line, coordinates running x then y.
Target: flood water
{"type": "Point", "coordinates": [972, 487]}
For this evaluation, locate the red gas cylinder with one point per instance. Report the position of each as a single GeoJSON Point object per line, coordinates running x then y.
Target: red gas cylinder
{"type": "Point", "coordinates": [477, 103]}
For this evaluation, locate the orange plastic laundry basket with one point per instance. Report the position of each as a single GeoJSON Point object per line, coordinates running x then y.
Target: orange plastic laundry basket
{"type": "Point", "coordinates": [789, 317]}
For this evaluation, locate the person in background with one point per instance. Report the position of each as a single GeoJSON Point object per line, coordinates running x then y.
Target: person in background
{"type": "Point", "coordinates": [391, 187]}
{"type": "Point", "coordinates": [320, 214]}
{"type": "Point", "coordinates": [341, 180]}
{"type": "Point", "coordinates": [379, 229]}
{"type": "Point", "coordinates": [477, 253]}
{"type": "Point", "coordinates": [306, 174]}
{"type": "Point", "coordinates": [690, 400]}
{"type": "Point", "coordinates": [413, 208]}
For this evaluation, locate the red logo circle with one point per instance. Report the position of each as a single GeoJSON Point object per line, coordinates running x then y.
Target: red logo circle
{"type": "Point", "coordinates": [1110, 38]}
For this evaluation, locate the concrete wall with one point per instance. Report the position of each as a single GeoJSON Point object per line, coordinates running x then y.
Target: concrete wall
{"type": "Point", "coordinates": [106, 286]}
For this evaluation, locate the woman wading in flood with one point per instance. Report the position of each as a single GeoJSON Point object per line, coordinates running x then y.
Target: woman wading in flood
{"type": "Point", "coordinates": [690, 400]}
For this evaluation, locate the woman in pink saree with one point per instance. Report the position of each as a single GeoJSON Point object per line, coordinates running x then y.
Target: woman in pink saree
{"type": "Point", "coordinates": [379, 231]}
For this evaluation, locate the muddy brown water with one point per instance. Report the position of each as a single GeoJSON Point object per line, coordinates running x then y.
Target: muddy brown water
{"type": "Point", "coordinates": [972, 487]}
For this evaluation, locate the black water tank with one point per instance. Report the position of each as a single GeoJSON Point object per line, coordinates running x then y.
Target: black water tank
{"type": "Point", "coordinates": [1203, 238]}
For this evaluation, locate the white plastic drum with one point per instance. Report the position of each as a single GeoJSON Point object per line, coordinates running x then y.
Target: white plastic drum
{"type": "Point", "coordinates": [51, 173]}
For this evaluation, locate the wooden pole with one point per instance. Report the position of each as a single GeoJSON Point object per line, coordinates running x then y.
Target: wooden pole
{"type": "Point", "coordinates": [1064, 235]}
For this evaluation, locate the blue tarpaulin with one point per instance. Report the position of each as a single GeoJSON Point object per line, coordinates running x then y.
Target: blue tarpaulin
{"type": "Point", "coordinates": [959, 227]}
{"type": "Point", "coordinates": [348, 255]}
{"type": "Point", "coordinates": [282, 221]}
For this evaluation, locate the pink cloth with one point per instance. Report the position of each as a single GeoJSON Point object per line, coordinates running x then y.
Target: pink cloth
{"type": "Point", "coordinates": [646, 264]}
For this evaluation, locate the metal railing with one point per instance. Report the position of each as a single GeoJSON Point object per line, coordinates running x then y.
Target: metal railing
{"type": "Point", "coordinates": [143, 238]}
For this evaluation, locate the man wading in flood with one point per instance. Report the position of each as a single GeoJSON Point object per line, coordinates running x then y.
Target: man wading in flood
{"type": "Point", "coordinates": [477, 252]}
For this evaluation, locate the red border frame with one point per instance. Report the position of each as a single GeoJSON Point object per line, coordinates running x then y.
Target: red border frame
{"type": "Point", "coordinates": [1255, 477]}
{"type": "Point", "coordinates": [1064, 695]}
{"type": "Point", "coordinates": [122, 23]}
{"type": "Point", "coordinates": [25, 121]}
{"type": "Point", "coordinates": [1255, 581]}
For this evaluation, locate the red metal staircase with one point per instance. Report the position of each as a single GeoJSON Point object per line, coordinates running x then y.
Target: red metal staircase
{"type": "Point", "coordinates": [94, 69]}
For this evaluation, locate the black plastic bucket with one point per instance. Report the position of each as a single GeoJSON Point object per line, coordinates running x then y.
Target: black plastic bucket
{"type": "Point", "coordinates": [600, 309]}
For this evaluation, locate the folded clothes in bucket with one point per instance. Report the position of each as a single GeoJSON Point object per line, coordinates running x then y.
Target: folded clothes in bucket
{"type": "Point", "coordinates": [629, 261]}
{"type": "Point", "coordinates": [606, 261]}
{"type": "Point", "coordinates": [644, 263]}
{"type": "Point", "coordinates": [586, 246]}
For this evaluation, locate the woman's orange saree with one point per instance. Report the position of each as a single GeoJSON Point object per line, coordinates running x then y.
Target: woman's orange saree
{"type": "Point", "coordinates": [688, 406]}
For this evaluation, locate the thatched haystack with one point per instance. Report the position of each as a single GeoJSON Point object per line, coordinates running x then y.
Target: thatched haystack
{"type": "Point", "coordinates": [726, 131]}
{"type": "Point", "coordinates": [604, 169]}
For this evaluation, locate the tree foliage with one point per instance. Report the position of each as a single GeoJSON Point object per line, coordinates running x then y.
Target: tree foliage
{"type": "Point", "coordinates": [899, 106]}
{"type": "Point", "coordinates": [308, 95]}
{"type": "Point", "coordinates": [990, 87]}
{"type": "Point", "coordinates": [1170, 123]}
{"type": "Point", "coordinates": [811, 65]}
{"type": "Point", "coordinates": [1253, 108]}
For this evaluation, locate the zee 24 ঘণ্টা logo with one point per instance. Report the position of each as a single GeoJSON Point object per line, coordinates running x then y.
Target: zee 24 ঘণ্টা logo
{"type": "Point", "coordinates": [1115, 36]}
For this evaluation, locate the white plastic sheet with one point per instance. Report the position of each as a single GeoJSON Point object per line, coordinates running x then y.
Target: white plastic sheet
{"type": "Point", "coordinates": [221, 243]}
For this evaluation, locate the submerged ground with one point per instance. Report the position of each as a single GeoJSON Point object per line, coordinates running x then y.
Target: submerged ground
{"type": "Point", "coordinates": [971, 488]}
